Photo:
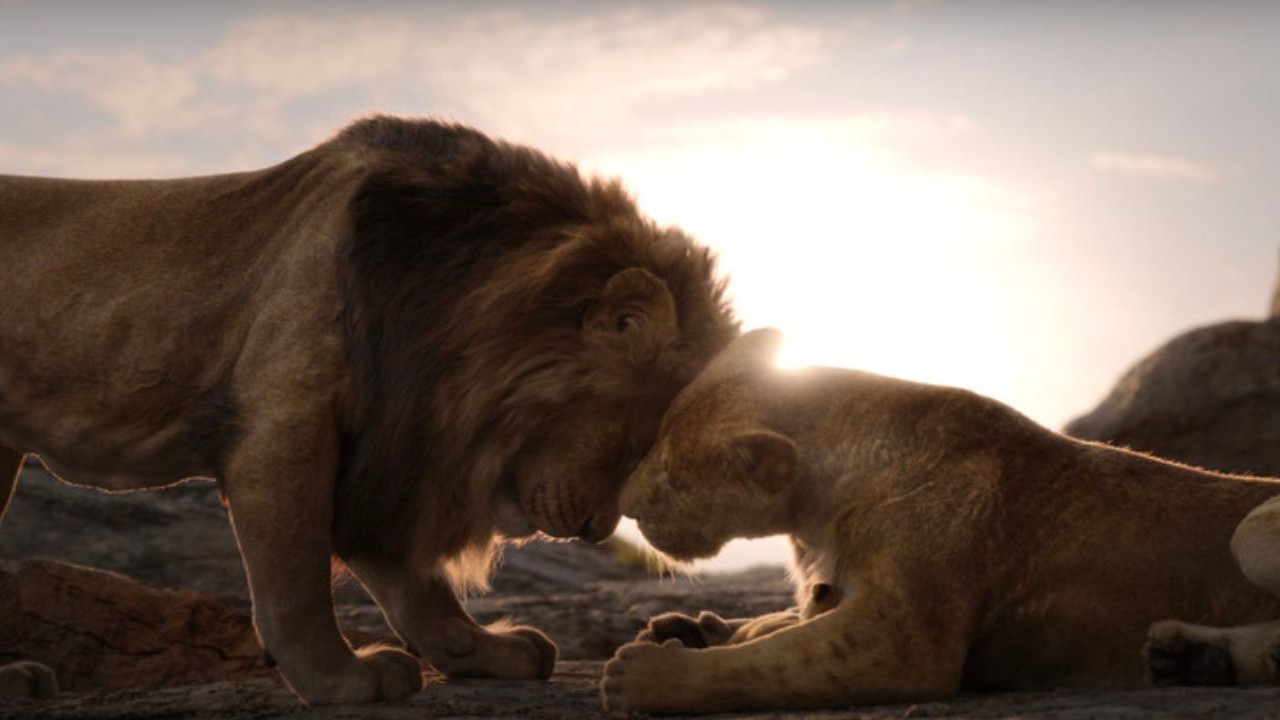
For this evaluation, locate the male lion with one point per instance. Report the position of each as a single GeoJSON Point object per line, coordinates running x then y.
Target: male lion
{"type": "Point", "coordinates": [385, 349]}
{"type": "Point", "coordinates": [966, 548]}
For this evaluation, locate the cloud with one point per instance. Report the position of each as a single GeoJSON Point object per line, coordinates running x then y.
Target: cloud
{"type": "Point", "coordinates": [290, 57]}
{"type": "Point", "coordinates": [142, 94]}
{"type": "Point", "coordinates": [584, 73]}
{"type": "Point", "coordinates": [1164, 167]}
{"type": "Point", "coordinates": [506, 70]}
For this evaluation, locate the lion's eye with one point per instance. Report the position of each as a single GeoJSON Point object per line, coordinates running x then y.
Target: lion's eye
{"type": "Point", "coordinates": [628, 322]}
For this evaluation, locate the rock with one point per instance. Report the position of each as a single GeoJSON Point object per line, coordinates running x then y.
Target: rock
{"type": "Point", "coordinates": [100, 630]}
{"type": "Point", "coordinates": [1210, 397]}
{"type": "Point", "coordinates": [588, 602]}
{"type": "Point", "coordinates": [181, 537]}
{"type": "Point", "coordinates": [103, 631]}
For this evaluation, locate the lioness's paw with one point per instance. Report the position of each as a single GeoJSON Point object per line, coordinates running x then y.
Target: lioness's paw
{"type": "Point", "coordinates": [706, 630]}
{"type": "Point", "coordinates": [27, 679]}
{"type": "Point", "coordinates": [645, 677]}
{"type": "Point", "coordinates": [379, 674]}
{"type": "Point", "coordinates": [1174, 658]}
{"type": "Point", "coordinates": [517, 653]}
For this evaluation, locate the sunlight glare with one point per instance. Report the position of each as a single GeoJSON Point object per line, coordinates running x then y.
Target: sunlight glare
{"type": "Point", "coordinates": [860, 264]}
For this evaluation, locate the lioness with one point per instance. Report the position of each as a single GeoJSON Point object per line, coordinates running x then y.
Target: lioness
{"type": "Point", "coordinates": [388, 348]}
{"type": "Point", "coordinates": [969, 548]}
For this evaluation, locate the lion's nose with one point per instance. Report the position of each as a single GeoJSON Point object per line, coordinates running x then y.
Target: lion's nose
{"type": "Point", "coordinates": [598, 529]}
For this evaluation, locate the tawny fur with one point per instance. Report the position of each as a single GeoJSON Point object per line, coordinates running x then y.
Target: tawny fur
{"type": "Point", "coordinates": [391, 348]}
{"type": "Point", "coordinates": [968, 548]}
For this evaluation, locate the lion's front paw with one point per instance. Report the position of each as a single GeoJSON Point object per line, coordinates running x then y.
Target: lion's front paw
{"type": "Point", "coordinates": [706, 630]}
{"type": "Point", "coordinates": [645, 677]}
{"type": "Point", "coordinates": [517, 653]}
{"type": "Point", "coordinates": [27, 679]}
{"type": "Point", "coordinates": [379, 674]}
{"type": "Point", "coordinates": [1175, 657]}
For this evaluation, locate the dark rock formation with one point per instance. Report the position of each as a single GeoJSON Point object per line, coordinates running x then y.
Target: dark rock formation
{"type": "Point", "coordinates": [1210, 397]}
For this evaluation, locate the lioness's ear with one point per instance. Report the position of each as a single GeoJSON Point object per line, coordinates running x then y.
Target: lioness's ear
{"type": "Point", "coordinates": [766, 457]}
{"type": "Point", "coordinates": [754, 350]}
{"type": "Point", "coordinates": [635, 312]}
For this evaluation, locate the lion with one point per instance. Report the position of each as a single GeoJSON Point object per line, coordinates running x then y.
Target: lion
{"type": "Point", "coordinates": [391, 349]}
{"type": "Point", "coordinates": [966, 548]}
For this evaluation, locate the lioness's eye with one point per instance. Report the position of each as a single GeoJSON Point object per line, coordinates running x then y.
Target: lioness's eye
{"type": "Point", "coordinates": [666, 482]}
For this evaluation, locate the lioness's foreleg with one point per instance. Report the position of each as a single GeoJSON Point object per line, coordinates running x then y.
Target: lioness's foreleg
{"type": "Point", "coordinates": [848, 656]}
{"type": "Point", "coordinates": [709, 629]}
{"type": "Point", "coordinates": [1180, 653]}
{"type": "Point", "coordinates": [279, 486]}
{"type": "Point", "coordinates": [421, 606]}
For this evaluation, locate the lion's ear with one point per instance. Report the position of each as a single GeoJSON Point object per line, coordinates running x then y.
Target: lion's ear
{"type": "Point", "coordinates": [767, 458]}
{"type": "Point", "coordinates": [635, 313]}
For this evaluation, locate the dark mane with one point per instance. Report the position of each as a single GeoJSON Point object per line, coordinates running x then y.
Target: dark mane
{"type": "Point", "coordinates": [470, 266]}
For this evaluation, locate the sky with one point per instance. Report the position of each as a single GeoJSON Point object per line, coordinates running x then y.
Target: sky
{"type": "Point", "coordinates": [1019, 198]}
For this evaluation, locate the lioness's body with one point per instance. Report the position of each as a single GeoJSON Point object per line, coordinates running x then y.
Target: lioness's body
{"type": "Point", "coordinates": [973, 549]}
{"type": "Point", "coordinates": [392, 348]}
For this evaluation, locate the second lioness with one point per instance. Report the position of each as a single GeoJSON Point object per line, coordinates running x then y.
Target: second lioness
{"type": "Point", "coordinates": [970, 549]}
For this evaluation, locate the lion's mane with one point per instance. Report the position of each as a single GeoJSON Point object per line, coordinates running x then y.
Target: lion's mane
{"type": "Point", "coordinates": [470, 267]}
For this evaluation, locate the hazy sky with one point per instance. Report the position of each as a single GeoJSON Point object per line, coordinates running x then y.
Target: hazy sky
{"type": "Point", "coordinates": [1020, 198]}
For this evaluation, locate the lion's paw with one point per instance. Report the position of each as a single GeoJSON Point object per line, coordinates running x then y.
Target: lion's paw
{"type": "Point", "coordinates": [644, 677]}
{"type": "Point", "coordinates": [514, 653]}
{"type": "Point", "coordinates": [1175, 658]}
{"type": "Point", "coordinates": [27, 679]}
{"type": "Point", "coordinates": [379, 674]}
{"type": "Point", "coordinates": [706, 630]}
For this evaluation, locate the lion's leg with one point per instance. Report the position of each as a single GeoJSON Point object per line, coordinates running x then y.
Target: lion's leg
{"type": "Point", "coordinates": [279, 487]}
{"type": "Point", "coordinates": [848, 656]}
{"type": "Point", "coordinates": [23, 678]}
{"type": "Point", "coordinates": [423, 609]}
{"type": "Point", "coordinates": [10, 469]}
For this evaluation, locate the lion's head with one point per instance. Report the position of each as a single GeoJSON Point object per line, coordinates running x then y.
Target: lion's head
{"type": "Point", "coordinates": [516, 333]}
{"type": "Point", "coordinates": [715, 471]}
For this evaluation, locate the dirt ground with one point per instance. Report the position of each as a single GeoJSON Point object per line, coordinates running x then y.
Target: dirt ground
{"type": "Point", "coordinates": [572, 695]}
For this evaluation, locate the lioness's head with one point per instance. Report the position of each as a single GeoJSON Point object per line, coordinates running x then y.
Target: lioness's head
{"type": "Point", "coordinates": [715, 472]}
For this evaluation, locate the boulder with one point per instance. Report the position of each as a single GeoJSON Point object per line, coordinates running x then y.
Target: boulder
{"type": "Point", "coordinates": [1209, 397]}
{"type": "Point", "coordinates": [100, 630]}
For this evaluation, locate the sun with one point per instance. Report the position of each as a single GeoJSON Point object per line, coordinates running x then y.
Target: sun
{"type": "Point", "coordinates": [859, 262]}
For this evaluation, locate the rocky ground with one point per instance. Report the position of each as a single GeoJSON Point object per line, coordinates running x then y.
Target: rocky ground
{"type": "Point", "coordinates": [162, 628]}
